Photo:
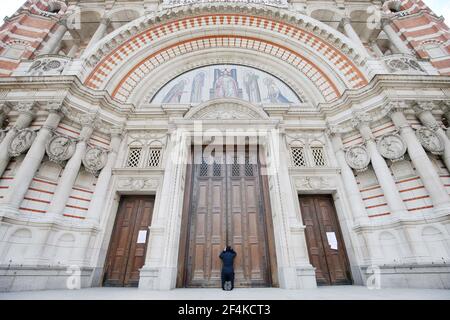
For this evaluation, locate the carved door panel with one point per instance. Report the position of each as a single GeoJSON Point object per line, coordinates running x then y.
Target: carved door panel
{"type": "Point", "coordinates": [227, 209]}
{"type": "Point", "coordinates": [326, 247]}
{"type": "Point", "coordinates": [128, 245]}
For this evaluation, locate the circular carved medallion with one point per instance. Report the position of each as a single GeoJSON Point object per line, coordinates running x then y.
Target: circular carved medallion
{"type": "Point", "coordinates": [357, 158]}
{"type": "Point", "coordinates": [60, 148]}
{"type": "Point", "coordinates": [392, 147]}
{"type": "Point", "coordinates": [95, 159]}
{"type": "Point", "coordinates": [21, 142]}
{"type": "Point", "coordinates": [430, 140]}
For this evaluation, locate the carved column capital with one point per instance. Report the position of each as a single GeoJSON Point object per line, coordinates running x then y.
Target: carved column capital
{"type": "Point", "coordinates": [90, 120]}
{"type": "Point", "coordinates": [394, 106]}
{"type": "Point", "coordinates": [360, 119]}
{"type": "Point", "coordinates": [422, 106]}
{"type": "Point", "coordinates": [5, 108]}
{"type": "Point", "coordinates": [57, 107]}
{"type": "Point", "coordinates": [26, 108]}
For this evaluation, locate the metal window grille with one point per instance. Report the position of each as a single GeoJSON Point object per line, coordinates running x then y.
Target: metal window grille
{"type": "Point", "coordinates": [134, 157]}
{"type": "Point", "coordinates": [154, 157]}
{"type": "Point", "coordinates": [298, 156]}
{"type": "Point", "coordinates": [318, 156]}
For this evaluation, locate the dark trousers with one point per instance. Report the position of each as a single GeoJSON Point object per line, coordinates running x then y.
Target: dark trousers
{"type": "Point", "coordinates": [227, 276]}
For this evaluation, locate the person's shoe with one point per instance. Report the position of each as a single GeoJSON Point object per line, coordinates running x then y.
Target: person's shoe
{"type": "Point", "coordinates": [228, 286]}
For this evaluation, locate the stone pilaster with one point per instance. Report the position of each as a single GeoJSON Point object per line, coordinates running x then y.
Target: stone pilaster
{"type": "Point", "coordinates": [384, 175]}
{"type": "Point", "coordinates": [26, 115]}
{"type": "Point", "coordinates": [33, 159]}
{"type": "Point", "coordinates": [160, 269]}
{"type": "Point", "coordinates": [423, 165]}
{"type": "Point", "coordinates": [99, 197]}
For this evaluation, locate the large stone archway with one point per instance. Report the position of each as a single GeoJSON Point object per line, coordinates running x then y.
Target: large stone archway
{"type": "Point", "coordinates": [293, 268]}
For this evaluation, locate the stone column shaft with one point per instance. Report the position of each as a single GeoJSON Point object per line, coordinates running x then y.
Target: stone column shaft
{"type": "Point", "coordinates": [428, 120]}
{"type": "Point", "coordinates": [23, 121]}
{"type": "Point", "coordinates": [350, 184]}
{"type": "Point", "coordinates": [99, 33]}
{"type": "Point", "coordinates": [4, 110]}
{"type": "Point", "coordinates": [422, 163]}
{"type": "Point", "coordinates": [395, 39]}
{"type": "Point", "coordinates": [351, 33]}
{"type": "Point", "coordinates": [99, 197]}
{"type": "Point", "coordinates": [32, 161]}
{"type": "Point", "coordinates": [53, 44]}
{"type": "Point", "coordinates": [73, 51]}
{"type": "Point", "coordinates": [70, 173]}
{"type": "Point", "coordinates": [384, 176]}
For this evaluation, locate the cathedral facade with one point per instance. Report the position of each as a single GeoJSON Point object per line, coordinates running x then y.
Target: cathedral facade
{"type": "Point", "coordinates": [139, 138]}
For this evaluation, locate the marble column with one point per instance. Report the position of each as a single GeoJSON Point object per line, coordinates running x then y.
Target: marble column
{"type": "Point", "coordinates": [161, 261]}
{"type": "Point", "coordinates": [99, 33]}
{"type": "Point", "coordinates": [423, 112]}
{"type": "Point", "coordinates": [70, 173]}
{"type": "Point", "coordinates": [394, 38]}
{"type": "Point", "coordinates": [26, 115]}
{"type": "Point", "coordinates": [74, 50]}
{"type": "Point", "coordinates": [418, 156]}
{"type": "Point", "coordinates": [53, 44]}
{"type": "Point", "coordinates": [32, 161]}
{"type": "Point", "coordinates": [5, 108]}
{"type": "Point", "coordinates": [351, 33]}
{"type": "Point", "coordinates": [100, 193]}
{"type": "Point", "coordinates": [382, 171]}
{"type": "Point", "coordinates": [350, 184]}
{"type": "Point", "coordinates": [376, 49]}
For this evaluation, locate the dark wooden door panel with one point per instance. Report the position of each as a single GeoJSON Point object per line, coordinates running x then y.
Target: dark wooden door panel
{"type": "Point", "coordinates": [125, 255]}
{"type": "Point", "coordinates": [227, 208]}
{"type": "Point", "coordinates": [319, 217]}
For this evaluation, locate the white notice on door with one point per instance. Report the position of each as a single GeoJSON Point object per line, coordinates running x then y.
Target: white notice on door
{"type": "Point", "coordinates": [142, 236]}
{"type": "Point", "coordinates": [332, 241]}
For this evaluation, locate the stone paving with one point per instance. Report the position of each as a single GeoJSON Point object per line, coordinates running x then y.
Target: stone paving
{"type": "Point", "coordinates": [321, 293]}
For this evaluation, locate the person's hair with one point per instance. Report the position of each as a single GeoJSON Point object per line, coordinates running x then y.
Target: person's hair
{"type": "Point", "coordinates": [229, 248]}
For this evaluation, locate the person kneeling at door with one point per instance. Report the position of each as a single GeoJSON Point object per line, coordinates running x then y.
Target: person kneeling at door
{"type": "Point", "coordinates": [227, 257]}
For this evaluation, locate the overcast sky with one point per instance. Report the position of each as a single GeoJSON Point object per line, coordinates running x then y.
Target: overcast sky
{"type": "Point", "coordinates": [440, 7]}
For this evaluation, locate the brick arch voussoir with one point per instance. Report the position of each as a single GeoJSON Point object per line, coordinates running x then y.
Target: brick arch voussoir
{"type": "Point", "coordinates": [334, 57]}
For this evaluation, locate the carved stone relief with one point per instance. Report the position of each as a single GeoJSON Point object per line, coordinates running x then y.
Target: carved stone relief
{"type": "Point", "coordinates": [430, 140]}
{"type": "Point", "coordinates": [357, 158]}
{"type": "Point", "coordinates": [21, 142]}
{"type": "Point", "coordinates": [314, 183]}
{"type": "Point", "coordinates": [60, 148]}
{"type": "Point", "coordinates": [48, 66]}
{"type": "Point", "coordinates": [392, 147]}
{"type": "Point", "coordinates": [136, 184]}
{"type": "Point", "coordinates": [95, 159]}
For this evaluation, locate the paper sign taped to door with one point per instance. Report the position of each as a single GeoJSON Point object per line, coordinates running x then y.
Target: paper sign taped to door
{"type": "Point", "coordinates": [332, 241]}
{"type": "Point", "coordinates": [142, 236]}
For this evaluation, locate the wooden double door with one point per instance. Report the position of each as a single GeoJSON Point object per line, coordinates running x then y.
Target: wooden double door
{"type": "Point", "coordinates": [326, 247]}
{"type": "Point", "coordinates": [128, 245]}
{"type": "Point", "coordinates": [227, 207]}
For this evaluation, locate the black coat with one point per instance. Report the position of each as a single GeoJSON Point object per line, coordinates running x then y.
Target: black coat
{"type": "Point", "coordinates": [228, 259]}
